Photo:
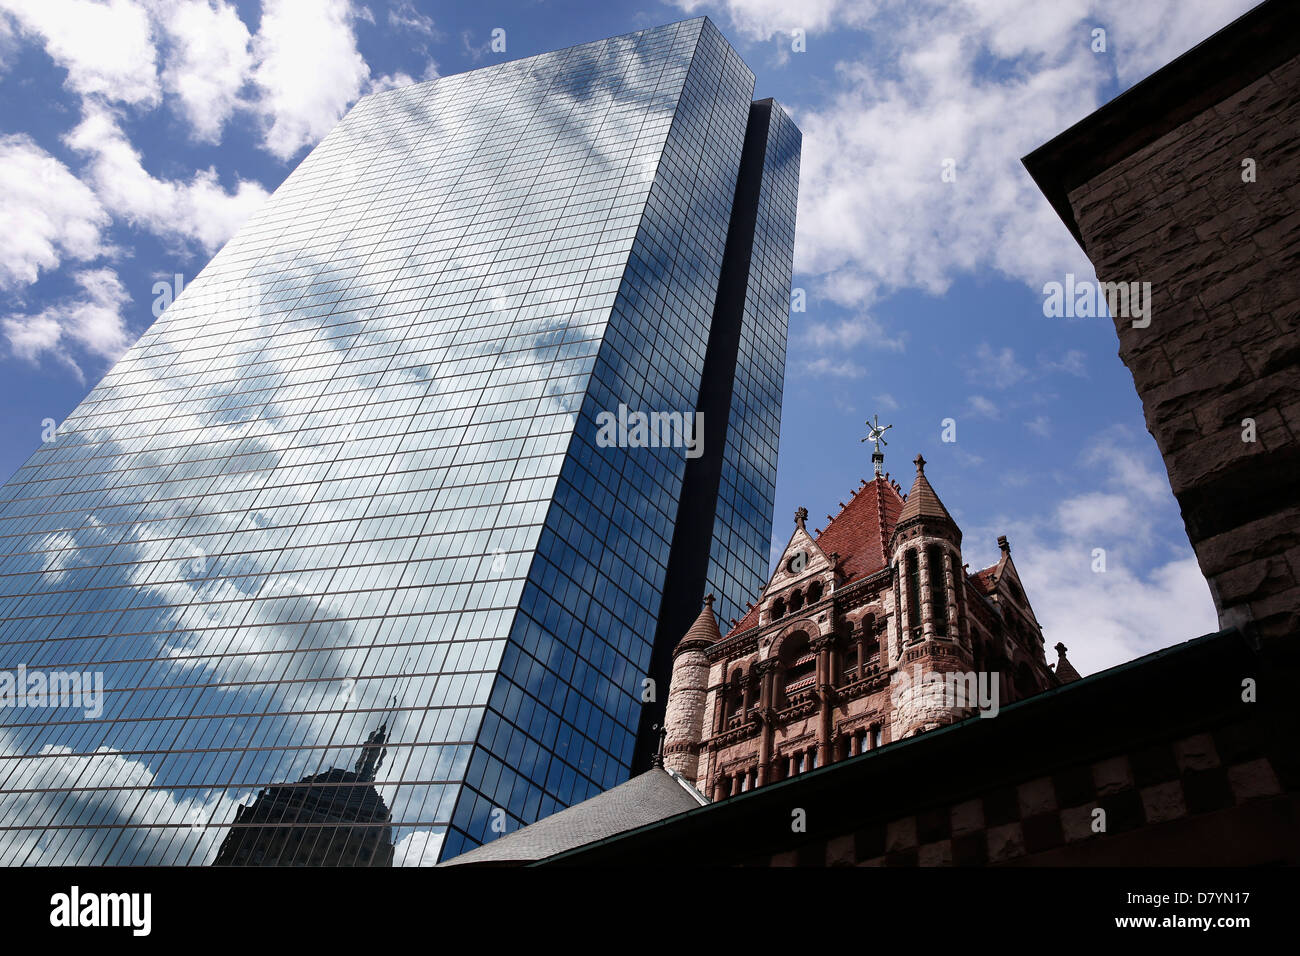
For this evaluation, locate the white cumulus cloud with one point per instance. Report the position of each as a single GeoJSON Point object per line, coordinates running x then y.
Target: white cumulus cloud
{"type": "Point", "coordinates": [46, 213]}
{"type": "Point", "coordinates": [419, 848]}
{"type": "Point", "coordinates": [977, 82]}
{"type": "Point", "coordinates": [308, 71]}
{"type": "Point", "coordinates": [1109, 571]}
{"type": "Point", "coordinates": [106, 47]}
{"type": "Point", "coordinates": [200, 210]}
{"type": "Point", "coordinates": [208, 61]}
{"type": "Point", "coordinates": [91, 320]}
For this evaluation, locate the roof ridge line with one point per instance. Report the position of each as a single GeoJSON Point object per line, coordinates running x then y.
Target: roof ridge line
{"type": "Point", "coordinates": [884, 537]}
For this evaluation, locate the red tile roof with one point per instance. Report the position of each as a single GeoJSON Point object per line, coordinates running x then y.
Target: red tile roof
{"type": "Point", "coordinates": [983, 580]}
{"type": "Point", "coordinates": [859, 533]}
{"type": "Point", "coordinates": [746, 622]}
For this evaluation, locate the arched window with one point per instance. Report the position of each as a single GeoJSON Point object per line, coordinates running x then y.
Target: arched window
{"type": "Point", "coordinates": [912, 573]}
{"type": "Point", "coordinates": [798, 664]}
{"type": "Point", "coordinates": [796, 600]}
{"type": "Point", "coordinates": [814, 592]}
{"type": "Point", "coordinates": [851, 660]}
{"type": "Point", "coordinates": [870, 640]}
{"type": "Point", "coordinates": [735, 694]}
{"type": "Point", "coordinates": [778, 609]}
{"type": "Point", "coordinates": [938, 588]}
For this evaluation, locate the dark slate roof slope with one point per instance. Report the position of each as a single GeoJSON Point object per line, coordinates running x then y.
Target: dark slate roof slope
{"type": "Point", "coordinates": [649, 797]}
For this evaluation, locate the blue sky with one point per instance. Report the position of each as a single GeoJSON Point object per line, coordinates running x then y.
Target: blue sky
{"type": "Point", "coordinates": [137, 135]}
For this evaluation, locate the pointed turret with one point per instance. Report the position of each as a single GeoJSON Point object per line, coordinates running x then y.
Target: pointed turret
{"type": "Point", "coordinates": [687, 694]}
{"type": "Point", "coordinates": [929, 622]}
{"type": "Point", "coordinates": [705, 629]}
{"type": "Point", "coordinates": [922, 501]}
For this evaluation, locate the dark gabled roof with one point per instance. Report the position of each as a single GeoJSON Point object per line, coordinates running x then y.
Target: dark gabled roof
{"type": "Point", "coordinates": [647, 798]}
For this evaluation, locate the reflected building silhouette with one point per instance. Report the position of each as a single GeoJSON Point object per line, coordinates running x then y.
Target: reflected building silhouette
{"type": "Point", "coordinates": [335, 818]}
{"type": "Point", "coordinates": [372, 429]}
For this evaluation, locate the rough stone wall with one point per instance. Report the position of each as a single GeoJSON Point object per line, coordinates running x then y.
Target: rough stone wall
{"type": "Point", "coordinates": [1169, 802]}
{"type": "Point", "coordinates": [921, 691]}
{"type": "Point", "coordinates": [685, 718]}
{"type": "Point", "coordinates": [1222, 255]}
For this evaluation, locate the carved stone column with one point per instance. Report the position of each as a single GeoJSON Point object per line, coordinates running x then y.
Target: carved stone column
{"type": "Point", "coordinates": [962, 616]}
{"type": "Point", "coordinates": [902, 619]}
{"type": "Point", "coordinates": [950, 586]}
{"type": "Point", "coordinates": [767, 713]}
{"type": "Point", "coordinates": [826, 696]}
{"type": "Point", "coordinates": [767, 683]}
{"type": "Point", "coordinates": [927, 585]}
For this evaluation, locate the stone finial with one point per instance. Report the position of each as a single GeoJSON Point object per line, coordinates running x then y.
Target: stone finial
{"type": "Point", "coordinates": [1065, 671]}
{"type": "Point", "coordinates": [1002, 543]}
{"type": "Point", "coordinates": [920, 464]}
{"type": "Point", "coordinates": [658, 759]}
{"type": "Point", "coordinates": [800, 516]}
{"type": "Point", "coordinates": [708, 600]}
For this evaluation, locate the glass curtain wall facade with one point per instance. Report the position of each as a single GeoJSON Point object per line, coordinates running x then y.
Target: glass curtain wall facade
{"type": "Point", "coordinates": [338, 538]}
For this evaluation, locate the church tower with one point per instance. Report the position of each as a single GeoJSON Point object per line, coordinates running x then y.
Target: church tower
{"type": "Point", "coordinates": [335, 818]}
{"type": "Point", "coordinates": [930, 636]}
{"type": "Point", "coordinates": [869, 630]}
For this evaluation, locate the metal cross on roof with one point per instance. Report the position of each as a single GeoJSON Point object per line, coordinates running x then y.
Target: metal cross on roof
{"type": "Point", "coordinates": [876, 433]}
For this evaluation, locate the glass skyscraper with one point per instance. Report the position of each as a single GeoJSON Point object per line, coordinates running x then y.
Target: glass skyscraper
{"type": "Point", "coordinates": [346, 504]}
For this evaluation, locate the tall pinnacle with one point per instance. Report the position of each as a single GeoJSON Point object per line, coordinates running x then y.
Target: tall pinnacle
{"type": "Point", "coordinates": [372, 754]}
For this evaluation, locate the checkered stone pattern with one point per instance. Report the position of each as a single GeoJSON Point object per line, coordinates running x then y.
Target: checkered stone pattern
{"type": "Point", "coordinates": [1196, 774]}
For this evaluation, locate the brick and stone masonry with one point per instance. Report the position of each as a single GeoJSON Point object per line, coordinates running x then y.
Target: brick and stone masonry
{"type": "Point", "coordinates": [1191, 181]}
{"type": "Point", "coordinates": [850, 646]}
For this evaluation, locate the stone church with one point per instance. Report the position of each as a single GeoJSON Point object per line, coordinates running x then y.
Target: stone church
{"type": "Point", "coordinates": [870, 630]}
